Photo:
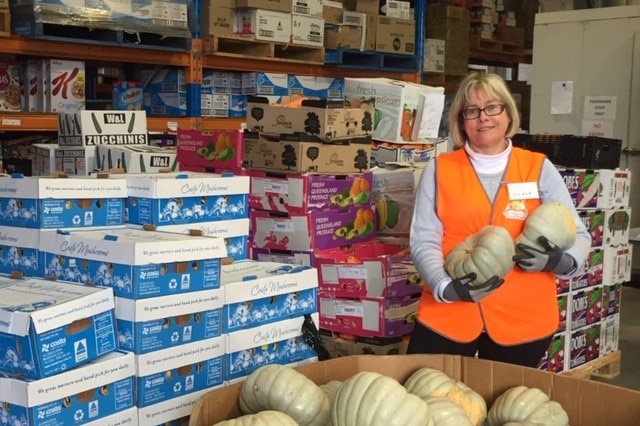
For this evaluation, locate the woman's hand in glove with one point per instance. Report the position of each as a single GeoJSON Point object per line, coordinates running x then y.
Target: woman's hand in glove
{"type": "Point", "coordinates": [552, 258]}
{"type": "Point", "coordinates": [460, 290]}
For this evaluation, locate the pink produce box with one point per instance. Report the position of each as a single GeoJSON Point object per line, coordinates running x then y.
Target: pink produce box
{"type": "Point", "coordinates": [220, 148]}
{"type": "Point", "coordinates": [317, 229]}
{"type": "Point", "coordinates": [292, 257]}
{"type": "Point", "coordinates": [298, 193]}
{"type": "Point", "coordinates": [368, 316]}
{"type": "Point", "coordinates": [368, 269]}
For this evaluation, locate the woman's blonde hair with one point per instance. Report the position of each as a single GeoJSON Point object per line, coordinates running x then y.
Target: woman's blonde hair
{"type": "Point", "coordinates": [491, 85]}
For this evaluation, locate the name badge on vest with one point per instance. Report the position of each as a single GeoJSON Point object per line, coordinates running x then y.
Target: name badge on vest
{"type": "Point", "coordinates": [523, 191]}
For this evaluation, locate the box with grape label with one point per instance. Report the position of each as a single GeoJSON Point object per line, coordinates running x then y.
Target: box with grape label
{"type": "Point", "coordinates": [563, 309]}
{"type": "Point", "coordinates": [554, 358]}
{"type": "Point", "coordinates": [584, 345]}
{"type": "Point", "coordinates": [594, 222]}
{"type": "Point", "coordinates": [316, 229]}
{"type": "Point", "coordinates": [582, 186]}
{"type": "Point", "coordinates": [591, 271]}
{"type": "Point", "coordinates": [298, 193]}
{"type": "Point", "coordinates": [586, 307]}
{"type": "Point", "coordinates": [220, 148]}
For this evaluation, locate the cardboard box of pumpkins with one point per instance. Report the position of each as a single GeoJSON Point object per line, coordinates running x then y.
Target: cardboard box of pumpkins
{"type": "Point", "coordinates": [370, 390]}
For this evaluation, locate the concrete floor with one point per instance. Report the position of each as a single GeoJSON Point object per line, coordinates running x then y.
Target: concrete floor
{"type": "Point", "coordinates": [629, 341]}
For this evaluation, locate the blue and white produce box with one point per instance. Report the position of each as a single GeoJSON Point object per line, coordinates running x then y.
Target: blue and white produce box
{"type": "Point", "coordinates": [235, 233]}
{"type": "Point", "coordinates": [49, 327]}
{"type": "Point", "coordinates": [173, 372]}
{"type": "Point", "coordinates": [280, 342]}
{"type": "Point", "coordinates": [54, 203]}
{"type": "Point", "coordinates": [136, 263]}
{"type": "Point", "coordinates": [179, 198]}
{"type": "Point", "coordinates": [20, 251]}
{"type": "Point", "coordinates": [156, 323]}
{"type": "Point", "coordinates": [93, 392]}
{"type": "Point", "coordinates": [258, 293]}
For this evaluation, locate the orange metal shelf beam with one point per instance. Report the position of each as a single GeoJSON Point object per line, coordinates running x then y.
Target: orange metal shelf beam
{"type": "Point", "coordinates": [32, 121]}
{"type": "Point", "coordinates": [90, 52]}
{"type": "Point", "coordinates": [234, 63]}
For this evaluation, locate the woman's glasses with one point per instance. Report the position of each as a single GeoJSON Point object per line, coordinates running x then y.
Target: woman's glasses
{"type": "Point", "coordinates": [473, 113]}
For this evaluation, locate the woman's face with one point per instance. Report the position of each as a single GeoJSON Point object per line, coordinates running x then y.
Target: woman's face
{"type": "Point", "coordinates": [486, 134]}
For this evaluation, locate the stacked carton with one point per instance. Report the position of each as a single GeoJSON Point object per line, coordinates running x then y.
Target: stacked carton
{"type": "Point", "coordinates": [58, 339]}
{"type": "Point", "coordinates": [449, 24]}
{"type": "Point", "coordinates": [589, 303]}
{"type": "Point", "coordinates": [264, 311]}
{"type": "Point", "coordinates": [213, 205]}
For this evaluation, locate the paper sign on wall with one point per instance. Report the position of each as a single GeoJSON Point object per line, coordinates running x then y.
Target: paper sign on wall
{"type": "Point", "coordinates": [599, 128]}
{"type": "Point", "coordinates": [600, 107]}
{"type": "Point", "coordinates": [561, 97]}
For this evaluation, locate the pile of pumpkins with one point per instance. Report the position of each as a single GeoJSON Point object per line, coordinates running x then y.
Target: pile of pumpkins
{"type": "Point", "coordinates": [278, 395]}
{"type": "Point", "coordinates": [490, 251]}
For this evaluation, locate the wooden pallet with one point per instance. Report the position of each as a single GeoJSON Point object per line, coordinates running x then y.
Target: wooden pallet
{"type": "Point", "coordinates": [495, 46]}
{"type": "Point", "coordinates": [606, 367]}
{"type": "Point", "coordinates": [242, 47]}
{"type": "Point", "coordinates": [370, 60]}
{"type": "Point", "coordinates": [5, 21]}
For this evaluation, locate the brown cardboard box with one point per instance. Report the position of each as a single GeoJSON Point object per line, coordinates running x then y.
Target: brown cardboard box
{"type": "Point", "coordinates": [218, 21]}
{"type": "Point", "coordinates": [588, 403]}
{"type": "Point", "coordinates": [274, 5]}
{"type": "Point", "coordinates": [302, 153]}
{"type": "Point", "coordinates": [368, 24]}
{"type": "Point", "coordinates": [325, 119]}
{"type": "Point", "coordinates": [342, 36]}
{"type": "Point", "coordinates": [395, 35]}
{"type": "Point", "coordinates": [332, 12]}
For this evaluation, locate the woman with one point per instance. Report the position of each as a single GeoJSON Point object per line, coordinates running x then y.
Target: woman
{"type": "Point", "coordinates": [510, 319]}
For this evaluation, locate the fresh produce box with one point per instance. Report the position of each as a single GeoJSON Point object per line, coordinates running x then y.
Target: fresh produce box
{"type": "Point", "coordinates": [368, 316]}
{"type": "Point", "coordinates": [368, 269]}
{"type": "Point", "coordinates": [587, 403]}
{"type": "Point", "coordinates": [316, 229]}
{"type": "Point", "coordinates": [300, 192]}
{"type": "Point", "coordinates": [220, 148]}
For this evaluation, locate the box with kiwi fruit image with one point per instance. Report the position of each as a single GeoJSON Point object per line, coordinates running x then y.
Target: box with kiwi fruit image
{"type": "Point", "coordinates": [55, 203]}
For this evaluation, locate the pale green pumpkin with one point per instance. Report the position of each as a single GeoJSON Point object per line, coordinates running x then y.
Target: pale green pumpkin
{"type": "Point", "coordinates": [524, 404]}
{"type": "Point", "coordinates": [552, 220]}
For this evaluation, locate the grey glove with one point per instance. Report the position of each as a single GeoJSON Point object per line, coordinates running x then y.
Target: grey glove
{"type": "Point", "coordinates": [552, 258]}
{"type": "Point", "coordinates": [459, 289]}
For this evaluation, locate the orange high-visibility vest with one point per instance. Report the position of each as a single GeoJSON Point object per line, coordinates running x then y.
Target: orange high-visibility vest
{"type": "Point", "coordinates": [524, 308]}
